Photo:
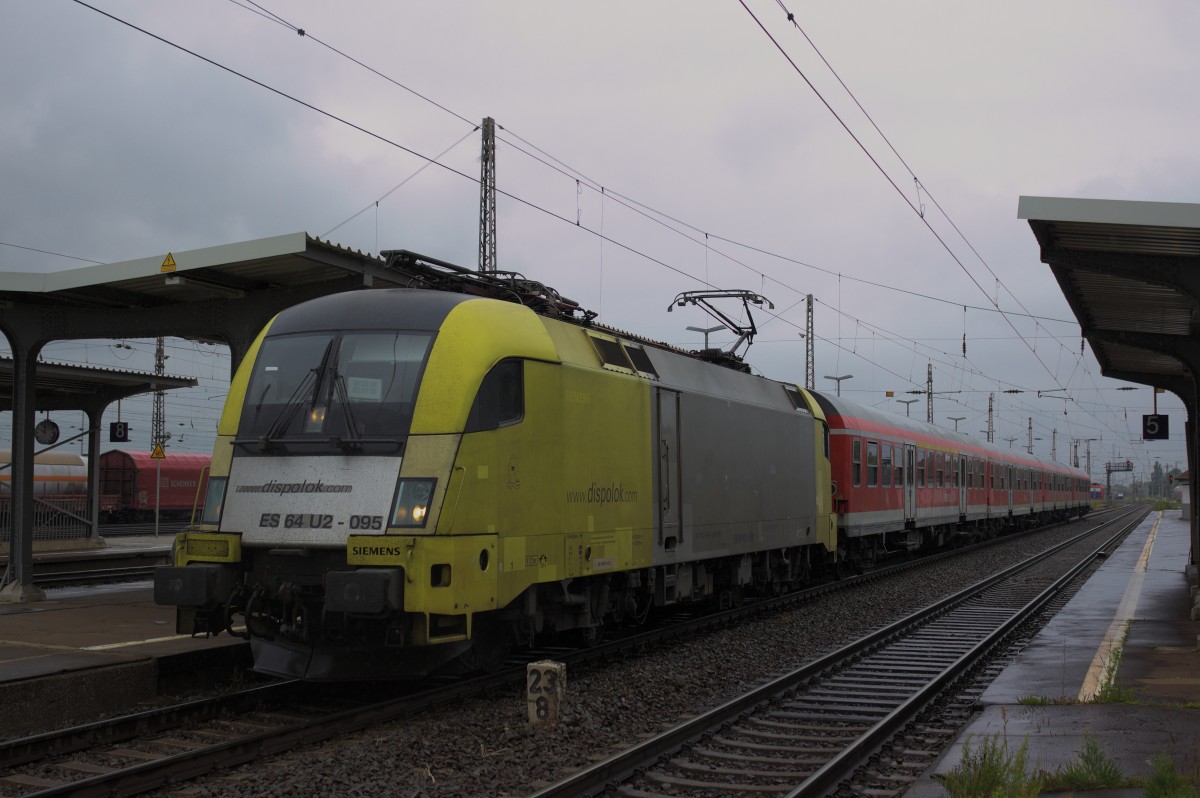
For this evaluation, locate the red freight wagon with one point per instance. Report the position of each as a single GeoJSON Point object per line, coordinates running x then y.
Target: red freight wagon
{"type": "Point", "coordinates": [127, 491]}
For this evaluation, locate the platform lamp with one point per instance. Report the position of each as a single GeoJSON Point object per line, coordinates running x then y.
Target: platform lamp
{"type": "Point", "coordinates": [907, 403]}
{"type": "Point", "coordinates": [838, 380]}
{"type": "Point", "coordinates": [956, 419]}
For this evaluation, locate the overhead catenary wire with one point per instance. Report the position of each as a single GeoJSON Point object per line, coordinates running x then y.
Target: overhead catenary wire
{"type": "Point", "coordinates": [609, 194]}
{"type": "Point", "coordinates": [576, 175]}
{"type": "Point", "coordinates": [918, 210]}
{"type": "Point", "coordinates": [879, 167]}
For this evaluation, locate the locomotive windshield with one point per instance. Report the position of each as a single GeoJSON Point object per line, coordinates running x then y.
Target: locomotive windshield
{"type": "Point", "coordinates": [352, 391]}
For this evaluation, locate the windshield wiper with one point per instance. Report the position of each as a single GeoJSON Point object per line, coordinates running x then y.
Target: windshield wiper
{"type": "Point", "coordinates": [284, 419]}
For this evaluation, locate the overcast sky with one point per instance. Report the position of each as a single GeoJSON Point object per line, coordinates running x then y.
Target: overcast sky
{"type": "Point", "coordinates": [719, 165]}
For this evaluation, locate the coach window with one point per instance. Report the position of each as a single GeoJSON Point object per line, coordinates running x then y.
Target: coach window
{"type": "Point", "coordinates": [941, 467]}
{"type": "Point", "coordinates": [501, 398]}
{"type": "Point", "coordinates": [885, 479]}
{"type": "Point", "coordinates": [856, 461]}
{"type": "Point", "coordinates": [872, 463]}
{"type": "Point", "coordinates": [920, 468]}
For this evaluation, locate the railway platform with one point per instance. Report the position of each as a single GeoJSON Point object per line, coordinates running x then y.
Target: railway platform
{"type": "Point", "coordinates": [83, 652]}
{"type": "Point", "coordinates": [1128, 636]}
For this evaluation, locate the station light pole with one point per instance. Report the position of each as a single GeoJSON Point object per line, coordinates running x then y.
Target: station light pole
{"type": "Point", "coordinates": [907, 405]}
{"type": "Point", "coordinates": [956, 419]}
{"type": "Point", "coordinates": [838, 381]}
{"type": "Point", "coordinates": [706, 331]}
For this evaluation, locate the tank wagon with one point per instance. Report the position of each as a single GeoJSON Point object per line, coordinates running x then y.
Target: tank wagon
{"type": "Point", "coordinates": [407, 480]}
{"type": "Point", "coordinates": [54, 474]}
{"type": "Point", "coordinates": [128, 491]}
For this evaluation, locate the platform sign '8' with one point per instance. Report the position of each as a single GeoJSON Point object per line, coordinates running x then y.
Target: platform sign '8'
{"type": "Point", "coordinates": [545, 688]}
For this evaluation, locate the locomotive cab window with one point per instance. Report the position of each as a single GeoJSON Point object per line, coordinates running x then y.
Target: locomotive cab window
{"type": "Point", "coordinates": [501, 398]}
{"type": "Point", "coordinates": [314, 390]}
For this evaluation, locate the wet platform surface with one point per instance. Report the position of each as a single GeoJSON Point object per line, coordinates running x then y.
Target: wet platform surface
{"type": "Point", "coordinates": [1126, 634]}
{"type": "Point", "coordinates": [90, 627]}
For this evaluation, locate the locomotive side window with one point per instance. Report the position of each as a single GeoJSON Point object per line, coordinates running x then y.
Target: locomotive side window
{"type": "Point", "coordinates": [856, 461]}
{"type": "Point", "coordinates": [501, 398]}
{"type": "Point", "coordinates": [641, 360]}
{"type": "Point", "coordinates": [612, 354]}
{"type": "Point", "coordinates": [872, 463]}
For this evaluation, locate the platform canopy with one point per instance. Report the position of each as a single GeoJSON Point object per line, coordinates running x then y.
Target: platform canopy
{"type": "Point", "coordinates": [1131, 273]}
{"type": "Point", "coordinates": [223, 294]}
{"type": "Point", "coordinates": [66, 386]}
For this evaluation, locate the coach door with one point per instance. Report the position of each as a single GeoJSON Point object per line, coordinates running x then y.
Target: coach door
{"type": "Point", "coordinates": [910, 482]}
{"type": "Point", "coordinates": [962, 485]}
{"type": "Point", "coordinates": [669, 479]}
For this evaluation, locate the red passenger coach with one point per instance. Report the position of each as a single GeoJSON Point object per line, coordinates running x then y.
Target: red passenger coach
{"type": "Point", "coordinates": [127, 489]}
{"type": "Point", "coordinates": [901, 484]}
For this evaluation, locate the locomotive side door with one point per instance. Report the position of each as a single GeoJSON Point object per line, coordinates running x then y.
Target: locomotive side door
{"type": "Point", "coordinates": [910, 482]}
{"type": "Point", "coordinates": [670, 531]}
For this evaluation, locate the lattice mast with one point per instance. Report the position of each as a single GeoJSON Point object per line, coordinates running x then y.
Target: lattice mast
{"type": "Point", "coordinates": [929, 393]}
{"type": "Point", "coordinates": [158, 422]}
{"type": "Point", "coordinates": [990, 429]}
{"type": "Point", "coordinates": [487, 198]}
{"type": "Point", "coordinates": [810, 365]}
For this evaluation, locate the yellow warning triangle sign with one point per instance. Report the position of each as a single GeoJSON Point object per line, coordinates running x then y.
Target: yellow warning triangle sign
{"type": "Point", "coordinates": [158, 453]}
{"type": "Point", "coordinates": [168, 263]}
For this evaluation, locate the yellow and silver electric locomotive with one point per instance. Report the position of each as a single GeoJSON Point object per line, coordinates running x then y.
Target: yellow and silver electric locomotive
{"type": "Point", "coordinates": [412, 479]}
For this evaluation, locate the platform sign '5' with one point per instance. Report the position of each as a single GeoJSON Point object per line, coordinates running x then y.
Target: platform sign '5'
{"type": "Point", "coordinates": [1155, 428]}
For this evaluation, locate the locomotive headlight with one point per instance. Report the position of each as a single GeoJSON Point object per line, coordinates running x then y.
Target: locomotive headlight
{"type": "Point", "coordinates": [411, 507]}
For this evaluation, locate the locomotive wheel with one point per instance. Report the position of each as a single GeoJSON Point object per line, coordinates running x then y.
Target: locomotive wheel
{"type": "Point", "coordinates": [729, 598]}
{"type": "Point", "coordinates": [491, 643]}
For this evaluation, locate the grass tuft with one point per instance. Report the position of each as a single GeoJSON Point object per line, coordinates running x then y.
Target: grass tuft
{"type": "Point", "coordinates": [1092, 769]}
{"type": "Point", "coordinates": [991, 771]}
{"type": "Point", "coordinates": [1165, 782]}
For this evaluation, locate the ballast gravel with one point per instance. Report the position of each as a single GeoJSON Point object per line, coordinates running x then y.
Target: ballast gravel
{"type": "Point", "coordinates": [484, 747]}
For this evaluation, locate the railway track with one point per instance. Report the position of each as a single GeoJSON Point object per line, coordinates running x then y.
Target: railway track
{"type": "Point", "coordinates": [145, 751]}
{"type": "Point", "coordinates": [94, 575]}
{"type": "Point", "coordinates": [807, 732]}
{"type": "Point", "coordinates": [149, 750]}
